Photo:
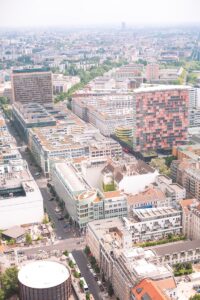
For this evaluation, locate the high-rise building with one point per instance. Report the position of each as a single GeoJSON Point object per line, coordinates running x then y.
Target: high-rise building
{"type": "Point", "coordinates": [160, 117]}
{"type": "Point", "coordinates": [32, 85]}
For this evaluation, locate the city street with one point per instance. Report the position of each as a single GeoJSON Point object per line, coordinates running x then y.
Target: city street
{"type": "Point", "coordinates": [67, 244]}
{"type": "Point", "coordinates": [85, 272]}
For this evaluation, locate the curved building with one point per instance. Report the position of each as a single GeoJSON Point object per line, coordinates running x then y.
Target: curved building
{"type": "Point", "coordinates": [44, 280]}
{"type": "Point", "coordinates": [124, 133]}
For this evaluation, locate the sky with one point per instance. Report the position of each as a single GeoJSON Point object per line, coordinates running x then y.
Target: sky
{"type": "Point", "coordinates": [37, 13]}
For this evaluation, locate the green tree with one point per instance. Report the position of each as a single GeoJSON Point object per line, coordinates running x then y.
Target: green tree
{"type": "Point", "coordinates": [110, 290]}
{"type": "Point", "coordinates": [66, 253]}
{"type": "Point", "coordinates": [195, 297]}
{"type": "Point", "coordinates": [3, 101]}
{"type": "Point", "coordinates": [45, 219]}
{"type": "Point", "coordinates": [71, 264]}
{"type": "Point", "coordinates": [9, 282]}
{"type": "Point", "coordinates": [76, 274]}
{"type": "Point", "coordinates": [93, 260]}
{"type": "Point", "coordinates": [2, 295]}
{"type": "Point", "coordinates": [97, 270]}
{"type": "Point", "coordinates": [87, 250]}
{"type": "Point", "coordinates": [28, 239]}
{"type": "Point", "coordinates": [87, 296]}
{"type": "Point", "coordinates": [81, 283]}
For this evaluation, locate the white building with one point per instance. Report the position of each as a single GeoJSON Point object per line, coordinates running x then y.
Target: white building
{"type": "Point", "coordinates": [153, 223]}
{"type": "Point", "coordinates": [84, 202]}
{"type": "Point", "coordinates": [20, 199]}
{"type": "Point", "coordinates": [131, 177]}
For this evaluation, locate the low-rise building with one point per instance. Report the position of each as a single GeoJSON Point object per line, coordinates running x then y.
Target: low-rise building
{"type": "Point", "coordinates": [61, 83]}
{"type": "Point", "coordinates": [20, 199]}
{"type": "Point", "coordinates": [124, 172]}
{"type": "Point", "coordinates": [179, 252]}
{"type": "Point", "coordinates": [149, 289]}
{"type": "Point", "coordinates": [153, 223]}
{"type": "Point", "coordinates": [150, 197]}
{"type": "Point", "coordinates": [26, 116]}
{"type": "Point", "coordinates": [84, 202]}
{"type": "Point", "coordinates": [172, 190]}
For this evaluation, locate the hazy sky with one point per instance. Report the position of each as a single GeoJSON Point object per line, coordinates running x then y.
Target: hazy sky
{"type": "Point", "coordinates": [17, 13]}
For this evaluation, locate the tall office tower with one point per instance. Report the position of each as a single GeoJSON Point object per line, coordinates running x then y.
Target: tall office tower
{"type": "Point", "coordinates": [160, 117]}
{"type": "Point", "coordinates": [152, 72]}
{"type": "Point", "coordinates": [32, 85]}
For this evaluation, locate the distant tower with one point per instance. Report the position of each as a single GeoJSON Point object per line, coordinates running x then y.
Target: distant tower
{"type": "Point", "coordinates": [123, 26]}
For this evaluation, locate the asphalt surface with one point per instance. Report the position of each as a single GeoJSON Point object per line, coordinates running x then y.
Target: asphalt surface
{"type": "Point", "coordinates": [82, 262]}
{"type": "Point", "coordinates": [68, 244]}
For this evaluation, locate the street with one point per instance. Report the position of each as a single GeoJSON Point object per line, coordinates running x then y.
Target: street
{"type": "Point", "coordinates": [67, 244]}
{"type": "Point", "coordinates": [85, 272]}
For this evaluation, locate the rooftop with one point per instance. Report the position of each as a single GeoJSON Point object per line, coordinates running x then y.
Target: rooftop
{"type": "Point", "coordinates": [14, 232]}
{"type": "Point", "coordinates": [31, 70]}
{"type": "Point", "coordinates": [69, 175]}
{"type": "Point", "coordinates": [149, 290]}
{"type": "Point", "coordinates": [171, 248]}
{"type": "Point", "coordinates": [43, 274]}
{"type": "Point", "coordinates": [158, 88]}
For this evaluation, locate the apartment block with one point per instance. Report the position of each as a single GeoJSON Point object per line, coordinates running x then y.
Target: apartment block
{"type": "Point", "coordinates": [153, 223]}
{"type": "Point", "coordinates": [160, 117]}
{"type": "Point", "coordinates": [105, 112]}
{"type": "Point", "coordinates": [32, 85]}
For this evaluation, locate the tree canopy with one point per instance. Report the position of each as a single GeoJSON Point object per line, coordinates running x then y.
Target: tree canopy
{"type": "Point", "coordinates": [9, 283]}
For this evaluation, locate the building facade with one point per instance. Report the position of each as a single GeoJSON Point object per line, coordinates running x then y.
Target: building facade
{"type": "Point", "coordinates": [32, 85]}
{"type": "Point", "coordinates": [160, 117]}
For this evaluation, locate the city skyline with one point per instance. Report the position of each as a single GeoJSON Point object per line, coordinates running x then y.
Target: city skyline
{"type": "Point", "coordinates": [86, 13]}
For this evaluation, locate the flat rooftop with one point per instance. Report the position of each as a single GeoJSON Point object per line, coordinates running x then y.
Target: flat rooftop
{"type": "Point", "coordinates": [152, 213]}
{"type": "Point", "coordinates": [69, 175]}
{"type": "Point", "coordinates": [43, 274]}
{"type": "Point", "coordinates": [161, 88]}
{"type": "Point", "coordinates": [31, 70]}
{"type": "Point", "coordinates": [171, 248]}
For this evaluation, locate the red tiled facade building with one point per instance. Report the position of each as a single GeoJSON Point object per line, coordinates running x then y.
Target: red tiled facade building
{"type": "Point", "coordinates": [160, 117]}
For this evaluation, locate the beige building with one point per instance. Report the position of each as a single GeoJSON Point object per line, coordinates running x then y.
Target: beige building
{"type": "Point", "coordinates": [191, 218]}
{"type": "Point", "coordinates": [32, 85]}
